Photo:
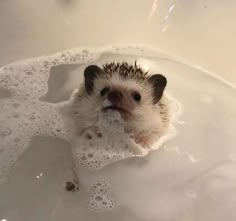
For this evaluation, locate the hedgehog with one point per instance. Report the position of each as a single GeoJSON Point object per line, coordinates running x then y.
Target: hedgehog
{"type": "Point", "coordinates": [129, 90]}
{"type": "Point", "coordinates": [137, 96]}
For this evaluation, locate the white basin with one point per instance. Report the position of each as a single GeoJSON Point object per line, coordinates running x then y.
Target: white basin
{"type": "Point", "coordinates": [191, 177]}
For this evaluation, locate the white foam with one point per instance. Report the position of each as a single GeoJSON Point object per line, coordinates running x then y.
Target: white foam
{"type": "Point", "coordinates": [176, 182]}
{"type": "Point", "coordinates": [24, 115]}
{"type": "Point", "coordinates": [114, 145]}
{"type": "Point", "coordinates": [101, 199]}
{"type": "Point", "coordinates": [96, 152]}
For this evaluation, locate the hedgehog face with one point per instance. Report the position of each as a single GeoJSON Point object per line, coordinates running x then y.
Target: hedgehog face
{"type": "Point", "coordinates": [117, 96]}
{"type": "Point", "coordinates": [123, 88]}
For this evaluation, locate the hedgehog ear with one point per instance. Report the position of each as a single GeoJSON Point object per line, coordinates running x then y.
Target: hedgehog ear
{"type": "Point", "coordinates": [90, 74]}
{"type": "Point", "coordinates": [158, 83]}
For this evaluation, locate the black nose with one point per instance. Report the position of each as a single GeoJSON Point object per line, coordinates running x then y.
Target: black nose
{"type": "Point", "coordinates": [115, 96]}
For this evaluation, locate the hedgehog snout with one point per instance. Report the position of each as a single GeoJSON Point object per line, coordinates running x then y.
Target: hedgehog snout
{"type": "Point", "coordinates": [115, 97]}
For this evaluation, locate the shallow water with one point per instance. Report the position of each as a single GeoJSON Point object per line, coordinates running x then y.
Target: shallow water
{"type": "Point", "coordinates": [192, 176]}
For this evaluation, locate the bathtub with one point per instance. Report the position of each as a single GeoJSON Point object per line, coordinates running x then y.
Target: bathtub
{"type": "Point", "coordinates": [189, 177]}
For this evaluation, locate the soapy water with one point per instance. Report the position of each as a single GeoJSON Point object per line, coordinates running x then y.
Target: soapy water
{"type": "Point", "coordinates": [190, 177]}
{"type": "Point", "coordinates": [113, 145]}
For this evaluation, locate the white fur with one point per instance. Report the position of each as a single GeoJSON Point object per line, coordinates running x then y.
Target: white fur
{"type": "Point", "coordinates": [147, 121]}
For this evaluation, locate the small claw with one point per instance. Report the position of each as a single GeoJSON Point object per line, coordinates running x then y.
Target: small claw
{"type": "Point", "coordinates": [71, 187]}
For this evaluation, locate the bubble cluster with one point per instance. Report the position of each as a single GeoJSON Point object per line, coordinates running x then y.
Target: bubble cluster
{"type": "Point", "coordinates": [107, 144]}
{"type": "Point", "coordinates": [24, 115]}
{"type": "Point", "coordinates": [100, 199]}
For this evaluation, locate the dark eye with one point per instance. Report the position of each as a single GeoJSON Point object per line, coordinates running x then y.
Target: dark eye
{"type": "Point", "coordinates": [104, 91]}
{"type": "Point", "coordinates": [136, 96]}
